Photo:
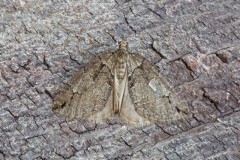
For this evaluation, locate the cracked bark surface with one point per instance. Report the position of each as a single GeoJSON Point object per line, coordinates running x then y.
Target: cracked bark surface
{"type": "Point", "coordinates": [194, 43]}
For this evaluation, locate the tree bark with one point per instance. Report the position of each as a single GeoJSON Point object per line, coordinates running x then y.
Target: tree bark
{"type": "Point", "coordinates": [194, 43]}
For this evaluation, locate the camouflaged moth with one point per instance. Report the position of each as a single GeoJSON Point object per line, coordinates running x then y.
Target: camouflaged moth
{"type": "Point", "coordinates": [120, 83]}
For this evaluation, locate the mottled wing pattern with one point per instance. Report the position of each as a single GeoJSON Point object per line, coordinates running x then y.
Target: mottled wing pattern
{"type": "Point", "coordinates": [152, 96]}
{"type": "Point", "coordinates": [86, 93]}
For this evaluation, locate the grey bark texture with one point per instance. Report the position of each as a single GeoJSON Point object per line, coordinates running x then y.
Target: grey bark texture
{"type": "Point", "coordinates": [195, 44]}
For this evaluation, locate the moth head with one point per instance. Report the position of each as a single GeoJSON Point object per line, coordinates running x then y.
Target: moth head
{"type": "Point", "coordinates": [123, 46]}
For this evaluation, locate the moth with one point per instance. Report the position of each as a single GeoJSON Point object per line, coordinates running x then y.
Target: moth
{"type": "Point", "coordinates": [123, 84]}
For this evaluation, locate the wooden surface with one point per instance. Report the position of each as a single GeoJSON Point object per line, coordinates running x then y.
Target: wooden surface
{"type": "Point", "coordinates": [195, 44]}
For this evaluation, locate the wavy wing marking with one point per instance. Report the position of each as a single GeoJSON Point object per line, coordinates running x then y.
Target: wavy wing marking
{"type": "Point", "coordinates": [87, 92]}
{"type": "Point", "coordinates": [153, 97]}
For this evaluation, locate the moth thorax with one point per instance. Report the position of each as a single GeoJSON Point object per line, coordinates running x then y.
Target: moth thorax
{"type": "Point", "coordinates": [121, 67]}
